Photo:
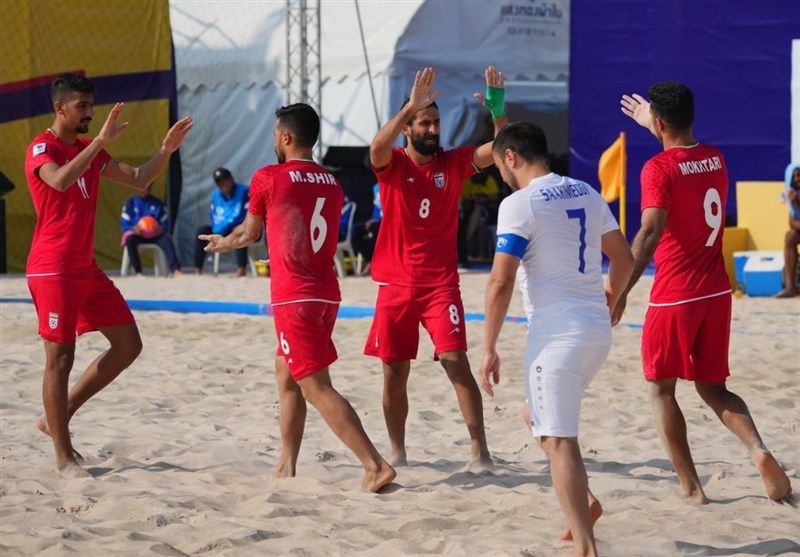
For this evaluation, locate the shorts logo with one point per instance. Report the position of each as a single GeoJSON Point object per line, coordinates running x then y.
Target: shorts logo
{"type": "Point", "coordinates": [39, 148]}
{"type": "Point", "coordinates": [53, 320]}
{"type": "Point", "coordinates": [438, 179]}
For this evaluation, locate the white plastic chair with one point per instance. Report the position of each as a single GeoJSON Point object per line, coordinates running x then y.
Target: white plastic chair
{"type": "Point", "coordinates": [256, 250]}
{"type": "Point", "coordinates": [346, 245]}
{"type": "Point", "coordinates": [249, 259]}
{"type": "Point", "coordinates": [159, 260]}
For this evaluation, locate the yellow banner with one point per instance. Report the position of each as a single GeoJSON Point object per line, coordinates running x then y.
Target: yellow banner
{"type": "Point", "coordinates": [125, 48]}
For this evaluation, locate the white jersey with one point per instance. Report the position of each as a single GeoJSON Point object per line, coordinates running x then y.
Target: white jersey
{"type": "Point", "coordinates": [555, 226]}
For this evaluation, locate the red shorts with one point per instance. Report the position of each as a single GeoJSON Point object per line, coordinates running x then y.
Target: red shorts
{"type": "Point", "coordinates": [68, 305]}
{"type": "Point", "coordinates": [305, 331]}
{"type": "Point", "coordinates": [399, 311]}
{"type": "Point", "coordinates": [688, 341]}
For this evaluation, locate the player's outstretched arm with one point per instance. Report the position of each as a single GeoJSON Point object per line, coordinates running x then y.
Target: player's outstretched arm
{"type": "Point", "coordinates": [498, 297]}
{"type": "Point", "coordinates": [140, 178]}
{"type": "Point", "coordinates": [62, 177]}
{"type": "Point", "coordinates": [494, 100]}
{"type": "Point", "coordinates": [422, 95]}
{"type": "Point", "coordinates": [638, 109]}
{"type": "Point", "coordinates": [241, 236]}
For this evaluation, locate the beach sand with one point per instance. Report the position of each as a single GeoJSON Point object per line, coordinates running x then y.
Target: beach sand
{"type": "Point", "coordinates": [182, 447]}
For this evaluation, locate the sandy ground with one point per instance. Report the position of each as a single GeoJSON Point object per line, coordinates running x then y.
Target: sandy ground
{"type": "Point", "coordinates": [182, 447]}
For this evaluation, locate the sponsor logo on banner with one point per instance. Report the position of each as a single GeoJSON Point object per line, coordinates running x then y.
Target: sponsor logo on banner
{"type": "Point", "coordinates": [544, 19]}
{"type": "Point", "coordinates": [53, 322]}
{"type": "Point", "coordinates": [438, 179]}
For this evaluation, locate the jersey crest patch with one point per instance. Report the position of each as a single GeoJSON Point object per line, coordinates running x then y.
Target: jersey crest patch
{"type": "Point", "coordinates": [53, 322]}
{"type": "Point", "coordinates": [438, 179]}
{"type": "Point", "coordinates": [39, 148]}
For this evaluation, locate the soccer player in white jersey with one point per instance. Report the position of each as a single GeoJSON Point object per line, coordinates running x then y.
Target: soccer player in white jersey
{"type": "Point", "coordinates": [551, 233]}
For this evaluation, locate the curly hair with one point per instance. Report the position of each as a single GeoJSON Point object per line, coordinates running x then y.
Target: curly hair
{"type": "Point", "coordinates": [673, 102]}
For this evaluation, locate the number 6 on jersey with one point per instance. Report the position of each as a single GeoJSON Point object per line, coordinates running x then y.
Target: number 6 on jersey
{"type": "Point", "coordinates": [319, 227]}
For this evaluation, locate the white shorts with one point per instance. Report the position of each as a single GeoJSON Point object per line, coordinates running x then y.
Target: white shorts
{"type": "Point", "coordinates": [556, 375]}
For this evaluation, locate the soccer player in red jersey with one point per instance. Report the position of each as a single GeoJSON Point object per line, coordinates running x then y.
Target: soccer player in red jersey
{"type": "Point", "coordinates": [71, 293]}
{"type": "Point", "coordinates": [687, 326]}
{"type": "Point", "coordinates": [304, 203]}
{"type": "Point", "coordinates": [415, 260]}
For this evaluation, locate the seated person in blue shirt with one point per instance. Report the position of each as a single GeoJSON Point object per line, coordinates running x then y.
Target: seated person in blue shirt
{"type": "Point", "coordinates": [144, 221]}
{"type": "Point", "coordinates": [792, 238]}
{"type": "Point", "coordinates": [228, 210]}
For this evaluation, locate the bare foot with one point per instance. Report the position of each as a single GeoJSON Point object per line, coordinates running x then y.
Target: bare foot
{"type": "Point", "coordinates": [41, 425]}
{"type": "Point", "coordinates": [779, 488]}
{"type": "Point", "coordinates": [241, 272]}
{"type": "Point", "coordinates": [525, 414]}
{"type": "Point", "coordinates": [481, 464]}
{"type": "Point", "coordinates": [695, 496]}
{"type": "Point", "coordinates": [375, 481]}
{"type": "Point", "coordinates": [177, 273]}
{"type": "Point", "coordinates": [285, 468]}
{"type": "Point", "coordinates": [595, 512]}
{"type": "Point", "coordinates": [787, 293]}
{"type": "Point", "coordinates": [72, 469]}
{"type": "Point", "coordinates": [398, 458]}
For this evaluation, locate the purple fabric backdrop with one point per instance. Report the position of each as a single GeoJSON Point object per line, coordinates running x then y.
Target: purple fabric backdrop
{"type": "Point", "coordinates": [734, 54]}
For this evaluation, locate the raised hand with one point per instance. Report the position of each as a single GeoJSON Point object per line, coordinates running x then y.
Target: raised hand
{"type": "Point", "coordinates": [422, 94]}
{"type": "Point", "coordinates": [638, 109]}
{"type": "Point", "coordinates": [494, 78]}
{"type": "Point", "coordinates": [176, 133]}
{"type": "Point", "coordinates": [110, 130]}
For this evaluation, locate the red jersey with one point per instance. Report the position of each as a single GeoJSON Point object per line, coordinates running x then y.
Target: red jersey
{"type": "Point", "coordinates": [63, 240]}
{"type": "Point", "coordinates": [302, 204]}
{"type": "Point", "coordinates": [417, 243]}
{"type": "Point", "coordinates": [691, 184]}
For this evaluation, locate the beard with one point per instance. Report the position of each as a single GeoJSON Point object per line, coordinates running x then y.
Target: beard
{"type": "Point", "coordinates": [83, 126]}
{"type": "Point", "coordinates": [280, 156]}
{"type": "Point", "coordinates": [423, 148]}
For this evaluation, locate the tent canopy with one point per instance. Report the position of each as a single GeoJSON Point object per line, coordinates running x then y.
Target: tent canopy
{"type": "Point", "coordinates": [231, 70]}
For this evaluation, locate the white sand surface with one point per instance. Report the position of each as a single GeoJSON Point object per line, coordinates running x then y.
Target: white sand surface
{"type": "Point", "coordinates": [182, 447]}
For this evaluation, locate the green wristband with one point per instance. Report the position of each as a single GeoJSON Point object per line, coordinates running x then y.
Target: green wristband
{"type": "Point", "coordinates": [496, 101]}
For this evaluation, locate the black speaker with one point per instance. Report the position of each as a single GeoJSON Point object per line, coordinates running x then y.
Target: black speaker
{"type": "Point", "coordinates": [346, 157]}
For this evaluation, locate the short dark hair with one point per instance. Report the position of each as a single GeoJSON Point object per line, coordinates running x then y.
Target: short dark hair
{"type": "Point", "coordinates": [408, 100]}
{"type": "Point", "coordinates": [525, 139]}
{"type": "Point", "coordinates": [68, 83]}
{"type": "Point", "coordinates": [301, 120]}
{"type": "Point", "coordinates": [673, 102]}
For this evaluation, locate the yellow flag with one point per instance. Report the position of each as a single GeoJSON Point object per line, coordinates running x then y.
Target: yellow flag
{"type": "Point", "coordinates": [611, 170]}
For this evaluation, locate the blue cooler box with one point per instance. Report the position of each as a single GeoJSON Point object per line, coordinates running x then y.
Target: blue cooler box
{"type": "Point", "coordinates": [763, 273]}
{"type": "Point", "coordinates": [739, 261]}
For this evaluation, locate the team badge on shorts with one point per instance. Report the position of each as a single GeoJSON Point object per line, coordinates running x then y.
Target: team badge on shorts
{"type": "Point", "coordinates": [438, 179]}
{"type": "Point", "coordinates": [53, 320]}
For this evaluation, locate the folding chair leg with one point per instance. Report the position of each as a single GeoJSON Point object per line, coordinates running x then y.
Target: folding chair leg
{"type": "Point", "coordinates": [126, 263]}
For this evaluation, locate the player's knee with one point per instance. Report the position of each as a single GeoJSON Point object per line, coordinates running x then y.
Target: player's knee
{"type": "Point", "coordinates": [130, 347]}
{"type": "Point", "coordinates": [792, 237]}
{"type": "Point", "coordinates": [710, 391]}
{"type": "Point", "coordinates": [60, 363]}
{"type": "Point", "coordinates": [555, 444]}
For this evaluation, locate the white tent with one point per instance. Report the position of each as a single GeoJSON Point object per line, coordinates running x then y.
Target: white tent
{"type": "Point", "coordinates": [230, 59]}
